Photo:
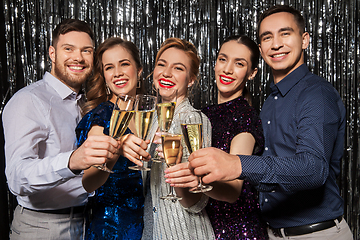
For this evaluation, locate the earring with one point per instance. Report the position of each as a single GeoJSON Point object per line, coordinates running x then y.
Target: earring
{"type": "Point", "coordinates": [107, 89]}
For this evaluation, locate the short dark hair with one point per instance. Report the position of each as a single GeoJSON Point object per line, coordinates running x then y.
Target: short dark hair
{"type": "Point", "coordinates": [282, 8]}
{"type": "Point", "coordinates": [69, 25]}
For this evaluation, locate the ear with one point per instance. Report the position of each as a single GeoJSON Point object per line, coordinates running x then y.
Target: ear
{"type": "Point", "coordinates": [191, 82]}
{"type": "Point", "coordinates": [253, 74]}
{"type": "Point", "coordinates": [260, 49]}
{"type": "Point", "coordinates": [305, 40]}
{"type": "Point", "coordinates": [52, 53]}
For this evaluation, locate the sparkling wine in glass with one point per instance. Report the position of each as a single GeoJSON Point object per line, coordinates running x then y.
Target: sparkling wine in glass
{"type": "Point", "coordinates": [121, 115]}
{"type": "Point", "coordinates": [144, 112]}
{"type": "Point", "coordinates": [172, 149]}
{"type": "Point", "coordinates": [165, 108]}
{"type": "Point", "coordinates": [191, 126]}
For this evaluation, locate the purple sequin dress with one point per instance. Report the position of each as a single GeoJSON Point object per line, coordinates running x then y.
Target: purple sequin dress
{"type": "Point", "coordinates": [239, 220]}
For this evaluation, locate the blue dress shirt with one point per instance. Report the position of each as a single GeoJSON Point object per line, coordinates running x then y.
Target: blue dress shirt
{"type": "Point", "coordinates": [304, 125]}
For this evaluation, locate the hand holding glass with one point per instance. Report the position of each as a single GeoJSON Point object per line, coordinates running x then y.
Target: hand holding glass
{"type": "Point", "coordinates": [144, 112]}
{"type": "Point", "coordinates": [191, 126]}
{"type": "Point", "coordinates": [172, 149]}
{"type": "Point", "coordinates": [120, 119]}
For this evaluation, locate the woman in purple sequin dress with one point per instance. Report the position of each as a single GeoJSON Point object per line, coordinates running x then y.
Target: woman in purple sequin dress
{"type": "Point", "coordinates": [236, 128]}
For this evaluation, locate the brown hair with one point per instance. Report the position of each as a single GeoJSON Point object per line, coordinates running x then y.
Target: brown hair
{"type": "Point", "coordinates": [70, 25]}
{"type": "Point", "coordinates": [282, 8]}
{"type": "Point", "coordinates": [255, 55]}
{"type": "Point", "coordinates": [95, 87]}
{"type": "Point", "coordinates": [189, 49]}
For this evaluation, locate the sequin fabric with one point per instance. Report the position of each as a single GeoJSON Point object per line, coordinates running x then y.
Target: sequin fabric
{"type": "Point", "coordinates": [239, 220]}
{"type": "Point", "coordinates": [116, 210]}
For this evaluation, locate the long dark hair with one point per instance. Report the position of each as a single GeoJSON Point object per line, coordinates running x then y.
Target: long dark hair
{"type": "Point", "coordinates": [95, 87]}
{"type": "Point", "coordinates": [254, 58]}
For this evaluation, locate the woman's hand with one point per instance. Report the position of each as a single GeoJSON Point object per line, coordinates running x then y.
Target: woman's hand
{"type": "Point", "coordinates": [133, 147]}
{"type": "Point", "coordinates": [181, 176]}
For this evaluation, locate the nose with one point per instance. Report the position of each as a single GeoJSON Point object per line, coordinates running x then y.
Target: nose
{"type": "Point", "coordinates": [167, 72]}
{"type": "Point", "coordinates": [118, 71]}
{"type": "Point", "coordinates": [228, 68]}
{"type": "Point", "coordinates": [78, 56]}
{"type": "Point", "coordinates": [276, 43]}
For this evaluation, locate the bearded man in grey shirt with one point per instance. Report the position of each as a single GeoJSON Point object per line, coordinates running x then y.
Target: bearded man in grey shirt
{"type": "Point", "coordinates": [43, 169]}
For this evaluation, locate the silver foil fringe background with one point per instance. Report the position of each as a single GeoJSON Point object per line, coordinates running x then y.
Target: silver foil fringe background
{"type": "Point", "coordinates": [334, 51]}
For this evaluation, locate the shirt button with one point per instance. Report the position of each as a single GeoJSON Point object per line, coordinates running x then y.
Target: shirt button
{"type": "Point", "coordinates": [266, 200]}
{"type": "Point", "coordinates": [275, 97]}
{"type": "Point", "coordinates": [154, 209]}
{"type": "Point", "coordinates": [266, 148]}
{"type": "Point", "coordinates": [268, 122]}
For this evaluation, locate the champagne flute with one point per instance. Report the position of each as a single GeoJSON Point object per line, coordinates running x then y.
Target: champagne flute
{"type": "Point", "coordinates": [120, 119]}
{"type": "Point", "coordinates": [191, 126]}
{"type": "Point", "coordinates": [165, 108]}
{"type": "Point", "coordinates": [172, 149]}
{"type": "Point", "coordinates": [144, 112]}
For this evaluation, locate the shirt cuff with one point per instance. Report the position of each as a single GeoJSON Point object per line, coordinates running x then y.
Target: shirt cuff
{"type": "Point", "coordinates": [199, 206]}
{"type": "Point", "coordinates": [62, 167]}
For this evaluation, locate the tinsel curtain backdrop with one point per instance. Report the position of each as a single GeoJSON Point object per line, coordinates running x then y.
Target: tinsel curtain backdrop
{"type": "Point", "coordinates": [334, 53]}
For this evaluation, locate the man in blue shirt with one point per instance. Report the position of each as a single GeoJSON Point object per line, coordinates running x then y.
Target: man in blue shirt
{"type": "Point", "coordinates": [304, 125]}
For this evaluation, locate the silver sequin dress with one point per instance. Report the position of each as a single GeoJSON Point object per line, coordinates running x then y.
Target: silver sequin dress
{"type": "Point", "coordinates": [165, 219]}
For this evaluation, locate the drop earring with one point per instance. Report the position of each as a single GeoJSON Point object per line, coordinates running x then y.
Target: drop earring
{"type": "Point", "coordinates": [107, 89]}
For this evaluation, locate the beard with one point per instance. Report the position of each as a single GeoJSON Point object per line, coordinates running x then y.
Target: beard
{"type": "Point", "coordinates": [72, 80]}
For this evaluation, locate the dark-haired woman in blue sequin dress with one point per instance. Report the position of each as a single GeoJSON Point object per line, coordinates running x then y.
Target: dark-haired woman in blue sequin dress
{"type": "Point", "coordinates": [233, 208]}
{"type": "Point", "coordinates": [118, 202]}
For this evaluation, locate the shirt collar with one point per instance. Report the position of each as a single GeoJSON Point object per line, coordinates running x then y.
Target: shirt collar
{"type": "Point", "coordinates": [61, 88]}
{"type": "Point", "coordinates": [290, 80]}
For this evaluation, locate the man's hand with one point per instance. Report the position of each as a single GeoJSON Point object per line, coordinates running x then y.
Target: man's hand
{"type": "Point", "coordinates": [215, 165]}
{"type": "Point", "coordinates": [94, 151]}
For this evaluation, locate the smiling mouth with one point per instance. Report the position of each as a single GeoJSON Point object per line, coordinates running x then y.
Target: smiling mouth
{"type": "Point", "coordinates": [120, 82]}
{"type": "Point", "coordinates": [164, 83]}
{"type": "Point", "coordinates": [225, 79]}
{"type": "Point", "coordinates": [77, 68]}
{"type": "Point", "coordinates": [278, 55]}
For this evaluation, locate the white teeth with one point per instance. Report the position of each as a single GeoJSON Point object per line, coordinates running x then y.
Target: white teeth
{"type": "Point", "coordinates": [120, 82]}
{"type": "Point", "coordinates": [76, 67]}
{"type": "Point", "coordinates": [226, 79]}
{"type": "Point", "coordinates": [166, 83]}
{"type": "Point", "coordinates": [279, 55]}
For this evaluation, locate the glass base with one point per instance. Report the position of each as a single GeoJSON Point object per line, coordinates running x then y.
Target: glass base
{"type": "Point", "coordinates": [103, 168]}
{"type": "Point", "coordinates": [201, 189]}
{"type": "Point", "coordinates": [138, 168]}
{"type": "Point", "coordinates": [158, 160]}
{"type": "Point", "coordinates": [173, 198]}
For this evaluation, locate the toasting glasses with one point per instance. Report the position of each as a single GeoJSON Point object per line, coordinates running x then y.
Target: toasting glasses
{"type": "Point", "coordinates": [144, 112]}
{"type": "Point", "coordinates": [172, 149]}
{"type": "Point", "coordinates": [191, 126]}
{"type": "Point", "coordinates": [120, 119]}
{"type": "Point", "coordinates": [165, 108]}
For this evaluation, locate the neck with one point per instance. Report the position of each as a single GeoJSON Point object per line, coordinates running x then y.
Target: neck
{"type": "Point", "coordinates": [223, 97]}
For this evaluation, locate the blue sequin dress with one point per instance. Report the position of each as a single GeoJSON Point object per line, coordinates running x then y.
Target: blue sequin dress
{"type": "Point", "coordinates": [117, 206]}
{"type": "Point", "coordinates": [239, 220]}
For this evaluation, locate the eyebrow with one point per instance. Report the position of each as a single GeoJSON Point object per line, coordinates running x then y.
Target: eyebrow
{"type": "Point", "coordinates": [280, 30]}
{"type": "Point", "coordinates": [178, 63]}
{"type": "Point", "coordinates": [70, 45]}
{"type": "Point", "coordinates": [236, 59]}
{"type": "Point", "coordinates": [122, 60]}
